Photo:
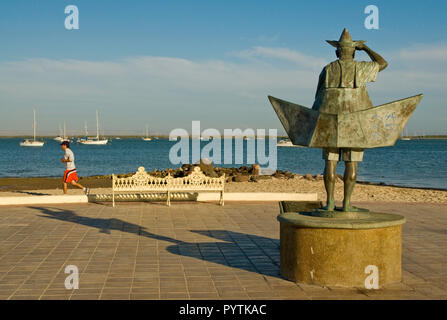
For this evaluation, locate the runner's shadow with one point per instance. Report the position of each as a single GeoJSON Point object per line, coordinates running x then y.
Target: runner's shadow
{"type": "Point", "coordinates": [33, 193]}
{"type": "Point", "coordinates": [234, 249]}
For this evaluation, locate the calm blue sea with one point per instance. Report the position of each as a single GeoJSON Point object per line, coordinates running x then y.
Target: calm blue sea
{"type": "Point", "coordinates": [416, 163]}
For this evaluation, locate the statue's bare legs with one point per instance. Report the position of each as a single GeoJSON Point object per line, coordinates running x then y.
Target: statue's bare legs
{"type": "Point", "coordinates": [350, 178]}
{"type": "Point", "coordinates": [329, 183]}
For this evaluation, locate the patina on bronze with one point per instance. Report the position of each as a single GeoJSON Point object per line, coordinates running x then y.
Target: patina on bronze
{"type": "Point", "coordinates": [343, 120]}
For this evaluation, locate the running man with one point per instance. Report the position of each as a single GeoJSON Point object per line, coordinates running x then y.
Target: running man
{"type": "Point", "coordinates": [70, 175]}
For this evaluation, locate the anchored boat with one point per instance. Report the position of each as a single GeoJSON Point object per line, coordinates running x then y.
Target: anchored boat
{"type": "Point", "coordinates": [62, 137]}
{"type": "Point", "coordinates": [34, 142]}
{"type": "Point", "coordinates": [147, 138]}
{"type": "Point", "coordinates": [96, 140]}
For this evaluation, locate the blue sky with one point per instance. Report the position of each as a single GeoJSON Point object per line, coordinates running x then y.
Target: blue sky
{"type": "Point", "coordinates": [166, 63]}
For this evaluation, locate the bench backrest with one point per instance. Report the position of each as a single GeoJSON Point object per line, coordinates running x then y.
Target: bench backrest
{"type": "Point", "coordinates": [142, 181]}
{"type": "Point", "coordinates": [197, 180]}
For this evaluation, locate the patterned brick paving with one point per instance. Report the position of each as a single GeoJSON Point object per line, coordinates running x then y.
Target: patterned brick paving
{"type": "Point", "coordinates": [189, 251]}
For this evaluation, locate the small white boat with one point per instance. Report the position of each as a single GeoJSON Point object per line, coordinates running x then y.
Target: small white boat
{"type": "Point", "coordinates": [147, 138]}
{"type": "Point", "coordinates": [31, 143]}
{"type": "Point", "coordinates": [285, 143]}
{"type": "Point", "coordinates": [60, 137]}
{"type": "Point", "coordinates": [96, 140]}
{"type": "Point", "coordinates": [405, 138]}
{"type": "Point", "coordinates": [209, 138]}
{"type": "Point", "coordinates": [34, 142]}
{"type": "Point", "coordinates": [79, 140]}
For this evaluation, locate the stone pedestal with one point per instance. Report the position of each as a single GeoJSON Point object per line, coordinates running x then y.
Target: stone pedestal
{"type": "Point", "coordinates": [339, 251]}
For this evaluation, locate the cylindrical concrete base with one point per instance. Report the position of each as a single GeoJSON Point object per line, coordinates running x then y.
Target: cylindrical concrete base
{"type": "Point", "coordinates": [341, 252]}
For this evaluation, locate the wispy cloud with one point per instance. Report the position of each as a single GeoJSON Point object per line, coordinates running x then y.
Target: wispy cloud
{"type": "Point", "coordinates": [425, 53]}
{"type": "Point", "coordinates": [169, 91]}
{"type": "Point", "coordinates": [288, 55]}
{"type": "Point", "coordinates": [172, 91]}
{"type": "Point", "coordinates": [268, 38]}
{"type": "Point", "coordinates": [419, 68]}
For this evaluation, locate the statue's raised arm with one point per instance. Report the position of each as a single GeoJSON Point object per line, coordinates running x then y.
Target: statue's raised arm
{"type": "Point", "coordinates": [373, 55]}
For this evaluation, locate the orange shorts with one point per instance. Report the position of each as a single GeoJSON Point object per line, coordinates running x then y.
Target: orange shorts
{"type": "Point", "coordinates": [70, 175]}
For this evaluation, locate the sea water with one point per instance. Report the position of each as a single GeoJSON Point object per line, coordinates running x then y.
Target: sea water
{"type": "Point", "coordinates": [414, 163]}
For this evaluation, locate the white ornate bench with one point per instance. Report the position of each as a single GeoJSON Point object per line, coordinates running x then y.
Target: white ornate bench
{"type": "Point", "coordinates": [141, 182]}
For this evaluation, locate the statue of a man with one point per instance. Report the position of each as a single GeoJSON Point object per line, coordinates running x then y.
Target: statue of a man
{"type": "Point", "coordinates": [341, 89]}
{"type": "Point", "coordinates": [343, 121]}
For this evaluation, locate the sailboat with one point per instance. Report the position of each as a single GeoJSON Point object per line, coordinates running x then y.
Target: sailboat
{"type": "Point", "coordinates": [59, 137]}
{"type": "Point", "coordinates": [34, 142]}
{"type": "Point", "coordinates": [96, 140]}
{"type": "Point", "coordinates": [285, 143]}
{"type": "Point", "coordinates": [63, 137]}
{"type": "Point", "coordinates": [86, 133]}
{"type": "Point", "coordinates": [406, 137]}
{"type": "Point", "coordinates": [147, 138]}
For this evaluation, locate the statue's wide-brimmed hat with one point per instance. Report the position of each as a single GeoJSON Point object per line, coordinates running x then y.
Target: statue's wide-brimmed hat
{"type": "Point", "coordinates": [345, 40]}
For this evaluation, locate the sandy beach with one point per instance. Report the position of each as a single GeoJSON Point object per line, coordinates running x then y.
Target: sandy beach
{"type": "Point", "coordinates": [297, 183]}
{"type": "Point", "coordinates": [362, 192]}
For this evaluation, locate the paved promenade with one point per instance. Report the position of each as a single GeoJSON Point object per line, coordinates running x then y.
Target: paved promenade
{"type": "Point", "coordinates": [189, 251]}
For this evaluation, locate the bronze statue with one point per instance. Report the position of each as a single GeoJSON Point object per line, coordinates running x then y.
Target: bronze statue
{"type": "Point", "coordinates": [343, 120]}
{"type": "Point", "coordinates": [341, 89]}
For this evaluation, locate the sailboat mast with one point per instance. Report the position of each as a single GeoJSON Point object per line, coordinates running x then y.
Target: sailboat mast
{"type": "Point", "coordinates": [64, 131]}
{"type": "Point", "coordinates": [97, 125]}
{"type": "Point", "coordinates": [34, 123]}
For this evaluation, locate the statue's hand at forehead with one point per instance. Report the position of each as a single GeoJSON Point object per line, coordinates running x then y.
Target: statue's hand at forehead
{"type": "Point", "coordinates": [360, 46]}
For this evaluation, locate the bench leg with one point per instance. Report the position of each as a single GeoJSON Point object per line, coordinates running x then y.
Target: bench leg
{"type": "Point", "coordinates": [168, 201]}
{"type": "Point", "coordinates": [221, 198]}
{"type": "Point", "coordinates": [113, 199]}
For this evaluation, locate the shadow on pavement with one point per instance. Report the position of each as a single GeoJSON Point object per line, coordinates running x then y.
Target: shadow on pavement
{"type": "Point", "coordinates": [32, 193]}
{"type": "Point", "coordinates": [238, 250]}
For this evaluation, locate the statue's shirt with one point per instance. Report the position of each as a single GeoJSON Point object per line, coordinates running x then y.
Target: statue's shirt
{"type": "Point", "coordinates": [341, 87]}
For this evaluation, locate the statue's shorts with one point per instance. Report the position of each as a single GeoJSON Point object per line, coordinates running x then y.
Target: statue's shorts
{"type": "Point", "coordinates": [345, 154]}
